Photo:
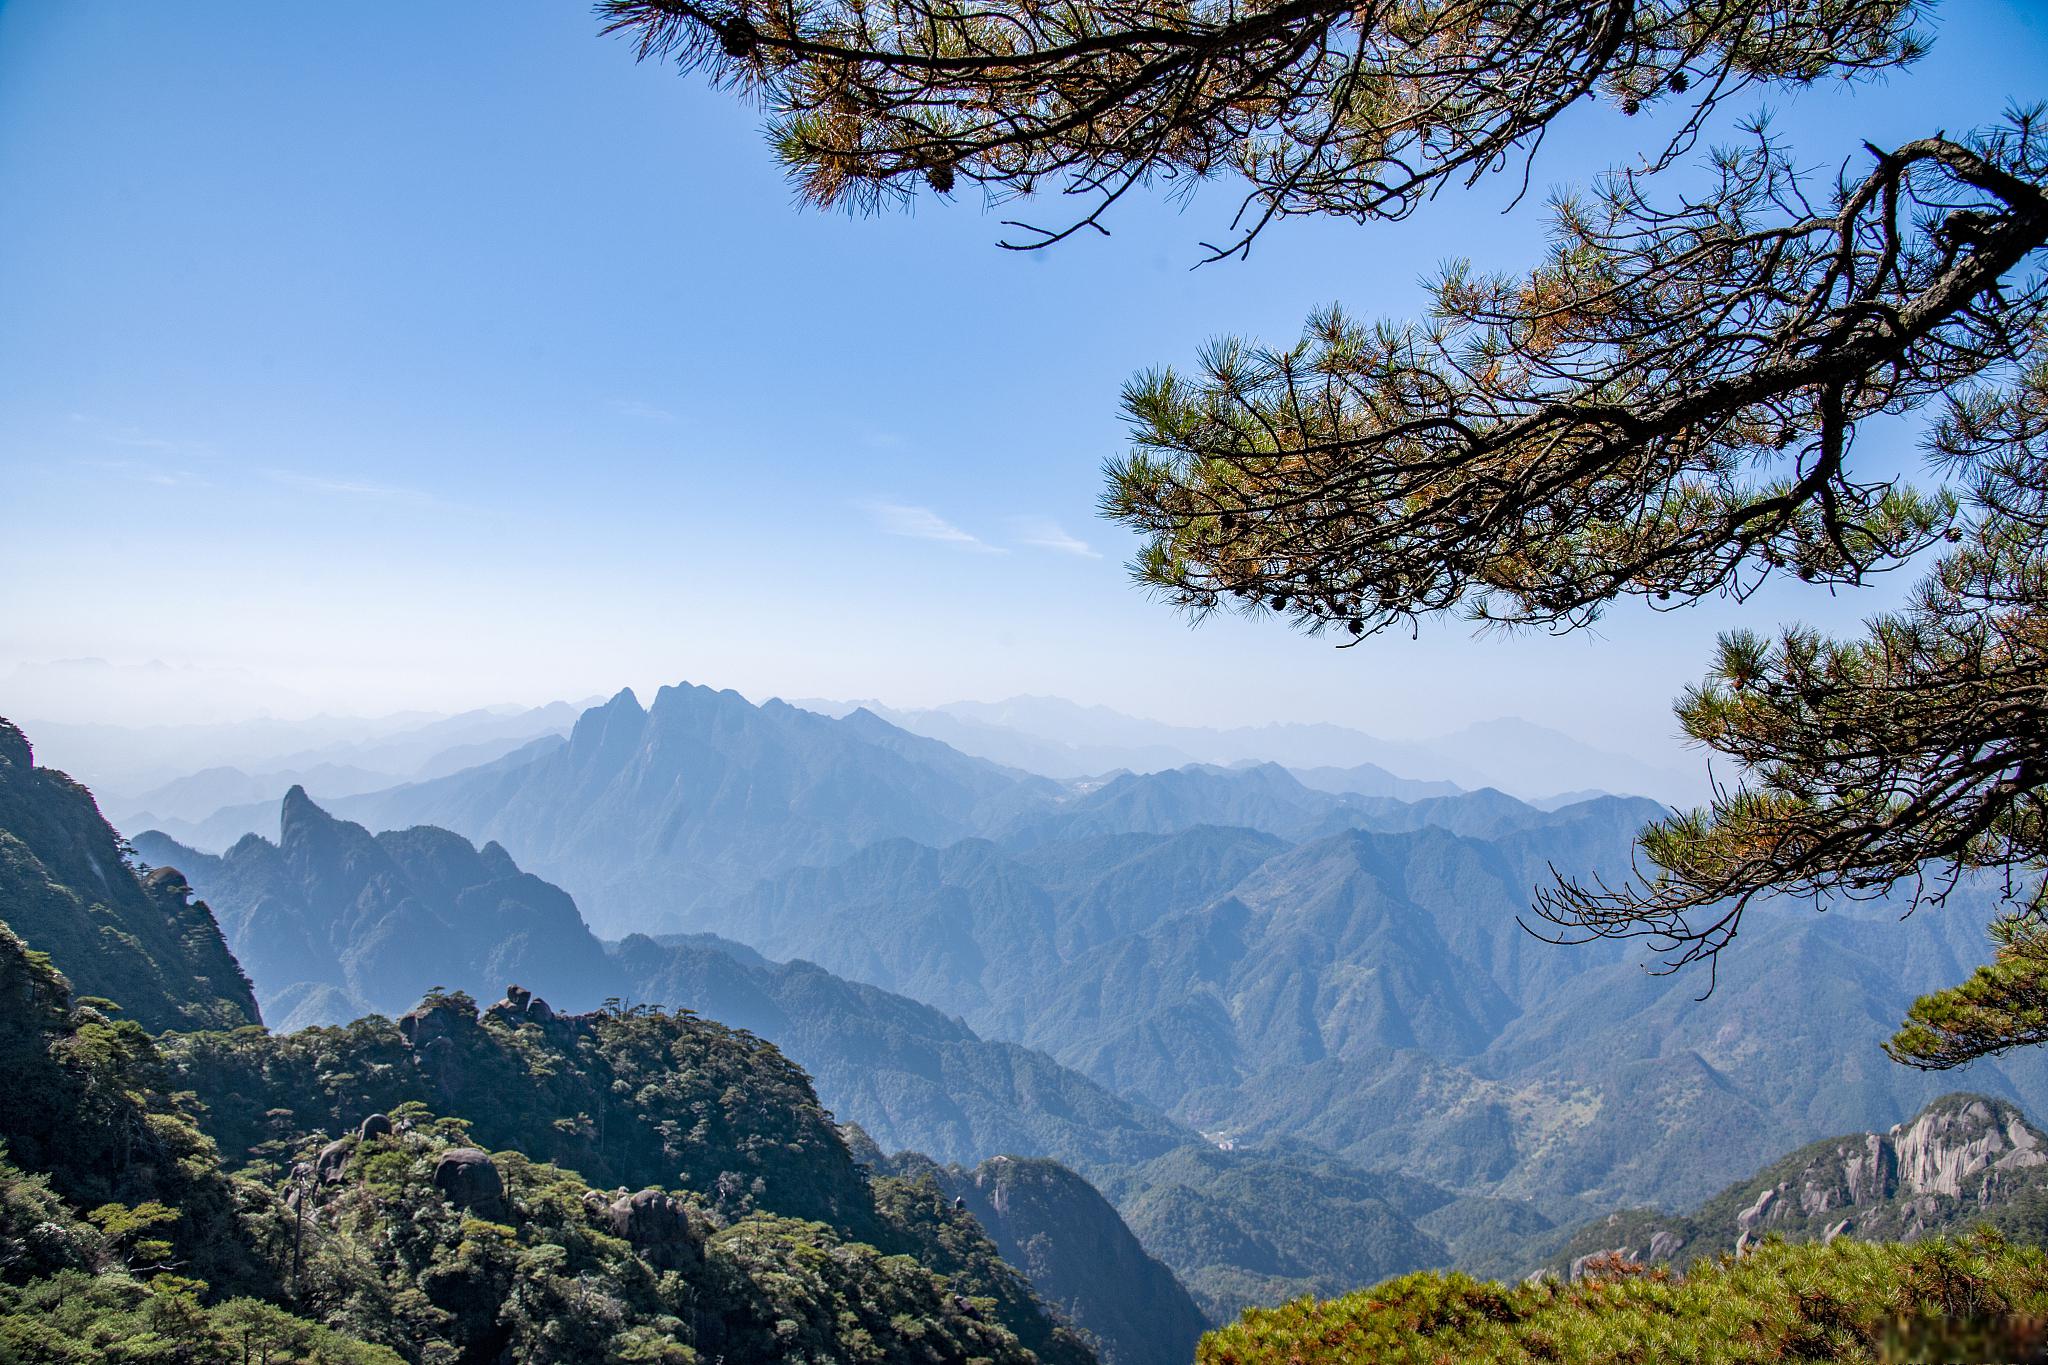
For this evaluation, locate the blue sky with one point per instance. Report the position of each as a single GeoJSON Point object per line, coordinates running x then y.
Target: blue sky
{"type": "Point", "coordinates": [375, 356]}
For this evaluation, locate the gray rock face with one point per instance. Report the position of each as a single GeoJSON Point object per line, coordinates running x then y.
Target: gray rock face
{"type": "Point", "coordinates": [425, 1025]}
{"type": "Point", "coordinates": [1942, 1149]}
{"type": "Point", "coordinates": [1965, 1150]}
{"type": "Point", "coordinates": [470, 1180]}
{"type": "Point", "coordinates": [1754, 1214]}
{"type": "Point", "coordinates": [1959, 1159]}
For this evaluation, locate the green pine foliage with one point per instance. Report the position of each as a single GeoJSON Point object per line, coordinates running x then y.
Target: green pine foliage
{"type": "Point", "coordinates": [1974, 1299]}
{"type": "Point", "coordinates": [626, 1096]}
{"type": "Point", "coordinates": [545, 1276]}
{"type": "Point", "coordinates": [124, 1236]}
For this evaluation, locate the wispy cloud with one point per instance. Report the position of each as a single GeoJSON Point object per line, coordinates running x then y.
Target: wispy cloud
{"type": "Point", "coordinates": [135, 438]}
{"type": "Point", "coordinates": [159, 475]}
{"type": "Point", "coordinates": [349, 488]}
{"type": "Point", "coordinates": [921, 523]}
{"type": "Point", "coordinates": [1041, 533]}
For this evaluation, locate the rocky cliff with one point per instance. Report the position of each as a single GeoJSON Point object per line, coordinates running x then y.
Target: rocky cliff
{"type": "Point", "coordinates": [1963, 1159]}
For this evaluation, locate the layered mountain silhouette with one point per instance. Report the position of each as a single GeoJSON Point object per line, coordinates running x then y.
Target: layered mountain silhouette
{"type": "Point", "coordinates": [645, 813]}
{"type": "Point", "coordinates": [333, 922]}
{"type": "Point", "coordinates": [1060, 738]}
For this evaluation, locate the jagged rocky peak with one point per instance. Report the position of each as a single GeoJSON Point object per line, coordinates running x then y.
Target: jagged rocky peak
{"type": "Point", "coordinates": [618, 721]}
{"type": "Point", "coordinates": [1959, 1137]}
{"type": "Point", "coordinates": [299, 809]}
{"type": "Point", "coordinates": [1961, 1151]}
{"type": "Point", "coordinates": [1962, 1159]}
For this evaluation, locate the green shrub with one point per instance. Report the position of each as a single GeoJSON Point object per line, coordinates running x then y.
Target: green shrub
{"type": "Point", "coordinates": [1977, 1298]}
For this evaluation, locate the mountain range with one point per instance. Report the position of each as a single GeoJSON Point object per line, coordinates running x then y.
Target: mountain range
{"type": "Point", "coordinates": [1058, 738]}
{"type": "Point", "coordinates": [1235, 1037]}
{"type": "Point", "coordinates": [98, 1111]}
{"type": "Point", "coordinates": [1226, 952]}
{"type": "Point", "coordinates": [174, 777]}
{"type": "Point", "coordinates": [910, 1075]}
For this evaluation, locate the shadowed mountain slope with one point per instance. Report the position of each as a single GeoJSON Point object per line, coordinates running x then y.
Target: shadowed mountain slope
{"type": "Point", "coordinates": [66, 887]}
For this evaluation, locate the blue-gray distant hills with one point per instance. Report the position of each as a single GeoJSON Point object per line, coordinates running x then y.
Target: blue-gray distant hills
{"type": "Point", "coordinates": [1060, 738]}
{"type": "Point", "coordinates": [653, 816]}
{"type": "Point", "coordinates": [646, 813]}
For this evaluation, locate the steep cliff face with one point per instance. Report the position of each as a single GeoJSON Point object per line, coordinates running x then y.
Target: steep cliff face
{"type": "Point", "coordinates": [1961, 1160]}
{"type": "Point", "coordinates": [1078, 1254]}
{"type": "Point", "coordinates": [67, 888]}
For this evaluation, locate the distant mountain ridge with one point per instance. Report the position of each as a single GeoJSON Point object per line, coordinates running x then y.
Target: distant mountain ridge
{"type": "Point", "coordinates": [123, 763]}
{"type": "Point", "coordinates": [335, 922]}
{"type": "Point", "coordinates": [1059, 738]}
{"type": "Point", "coordinates": [648, 812]}
{"type": "Point", "coordinates": [652, 817]}
{"type": "Point", "coordinates": [1260, 958]}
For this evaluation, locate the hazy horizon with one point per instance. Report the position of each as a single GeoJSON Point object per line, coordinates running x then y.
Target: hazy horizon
{"type": "Point", "coordinates": [75, 711]}
{"type": "Point", "coordinates": [523, 380]}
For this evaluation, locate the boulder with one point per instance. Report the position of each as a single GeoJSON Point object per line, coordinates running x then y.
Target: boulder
{"type": "Point", "coordinates": [513, 1007]}
{"type": "Point", "coordinates": [375, 1126]}
{"type": "Point", "coordinates": [538, 1010]}
{"type": "Point", "coordinates": [659, 1227]}
{"type": "Point", "coordinates": [469, 1179]}
{"type": "Point", "coordinates": [332, 1163]}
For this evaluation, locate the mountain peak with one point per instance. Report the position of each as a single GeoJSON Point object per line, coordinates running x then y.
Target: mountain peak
{"type": "Point", "coordinates": [299, 808]}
